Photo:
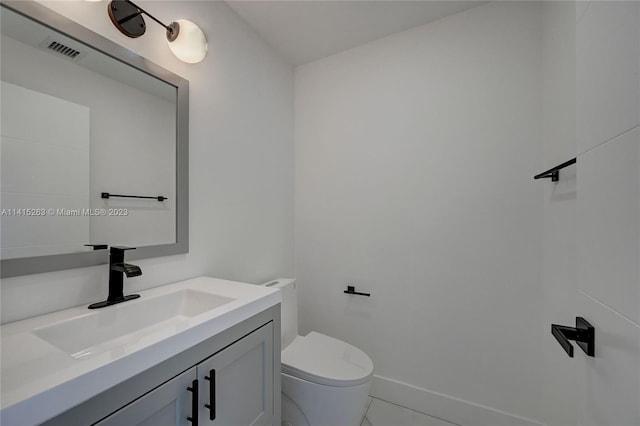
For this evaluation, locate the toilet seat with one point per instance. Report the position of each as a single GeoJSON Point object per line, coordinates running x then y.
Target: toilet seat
{"type": "Point", "coordinates": [327, 361]}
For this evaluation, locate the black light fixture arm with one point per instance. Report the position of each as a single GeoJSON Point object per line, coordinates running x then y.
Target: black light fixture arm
{"type": "Point", "coordinates": [141, 10]}
{"type": "Point", "coordinates": [128, 19]}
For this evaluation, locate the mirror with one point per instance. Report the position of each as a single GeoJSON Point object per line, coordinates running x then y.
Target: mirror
{"type": "Point", "coordinates": [94, 147]}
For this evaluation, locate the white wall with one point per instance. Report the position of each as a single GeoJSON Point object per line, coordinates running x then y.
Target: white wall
{"type": "Point", "coordinates": [241, 161]}
{"type": "Point", "coordinates": [559, 208]}
{"type": "Point", "coordinates": [608, 210]}
{"type": "Point", "coordinates": [414, 162]}
{"type": "Point", "coordinates": [592, 215]}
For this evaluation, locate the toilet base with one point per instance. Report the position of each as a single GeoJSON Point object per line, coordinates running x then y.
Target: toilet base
{"type": "Point", "coordinates": [310, 404]}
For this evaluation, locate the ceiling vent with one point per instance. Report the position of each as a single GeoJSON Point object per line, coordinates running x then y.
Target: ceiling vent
{"type": "Point", "coordinates": [54, 46]}
{"type": "Point", "coordinates": [63, 50]}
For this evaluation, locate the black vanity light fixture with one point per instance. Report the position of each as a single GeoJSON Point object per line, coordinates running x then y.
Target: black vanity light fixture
{"type": "Point", "coordinates": [186, 40]}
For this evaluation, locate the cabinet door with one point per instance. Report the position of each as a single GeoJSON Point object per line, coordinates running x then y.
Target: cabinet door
{"type": "Point", "coordinates": [167, 405]}
{"type": "Point", "coordinates": [237, 383]}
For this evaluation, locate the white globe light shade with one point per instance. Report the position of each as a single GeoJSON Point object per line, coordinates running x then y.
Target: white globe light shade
{"type": "Point", "coordinates": [190, 45]}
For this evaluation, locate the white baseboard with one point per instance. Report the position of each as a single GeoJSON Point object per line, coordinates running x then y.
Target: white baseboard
{"type": "Point", "coordinates": [445, 407]}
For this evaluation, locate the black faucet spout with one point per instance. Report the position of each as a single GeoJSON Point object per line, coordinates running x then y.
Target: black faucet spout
{"type": "Point", "coordinates": [117, 268]}
{"type": "Point", "coordinates": [128, 269]}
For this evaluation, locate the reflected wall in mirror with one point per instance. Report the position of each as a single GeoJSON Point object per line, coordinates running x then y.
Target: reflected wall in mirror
{"type": "Point", "coordinates": [82, 116]}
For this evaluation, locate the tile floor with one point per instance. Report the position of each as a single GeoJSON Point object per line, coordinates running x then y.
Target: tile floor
{"type": "Point", "coordinates": [382, 413]}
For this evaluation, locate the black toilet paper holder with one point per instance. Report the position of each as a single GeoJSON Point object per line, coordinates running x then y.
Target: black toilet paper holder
{"type": "Point", "coordinates": [352, 290]}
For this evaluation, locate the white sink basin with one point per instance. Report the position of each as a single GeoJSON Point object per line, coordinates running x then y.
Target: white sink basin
{"type": "Point", "coordinates": [56, 361]}
{"type": "Point", "coordinates": [115, 326]}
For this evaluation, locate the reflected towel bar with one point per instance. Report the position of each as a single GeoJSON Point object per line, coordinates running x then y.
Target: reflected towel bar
{"type": "Point", "coordinates": [554, 173]}
{"type": "Point", "coordinates": [108, 195]}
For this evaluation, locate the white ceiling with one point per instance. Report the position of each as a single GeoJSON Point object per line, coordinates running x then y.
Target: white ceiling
{"type": "Point", "coordinates": [306, 30]}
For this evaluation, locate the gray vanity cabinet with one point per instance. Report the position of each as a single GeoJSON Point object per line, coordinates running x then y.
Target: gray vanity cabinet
{"type": "Point", "coordinates": [234, 388]}
{"type": "Point", "coordinates": [241, 390]}
{"type": "Point", "coordinates": [245, 389]}
{"type": "Point", "coordinates": [167, 405]}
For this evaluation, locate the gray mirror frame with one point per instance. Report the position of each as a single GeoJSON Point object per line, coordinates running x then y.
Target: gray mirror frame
{"type": "Point", "coordinates": [58, 262]}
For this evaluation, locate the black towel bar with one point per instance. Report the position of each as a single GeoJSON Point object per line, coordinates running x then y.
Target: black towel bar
{"type": "Point", "coordinates": [108, 195]}
{"type": "Point", "coordinates": [554, 172]}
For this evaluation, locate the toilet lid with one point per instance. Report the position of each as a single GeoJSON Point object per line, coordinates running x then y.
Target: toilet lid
{"type": "Point", "coordinates": [327, 361]}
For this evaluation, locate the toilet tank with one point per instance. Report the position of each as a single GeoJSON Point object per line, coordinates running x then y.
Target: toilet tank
{"type": "Point", "coordinates": [288, 309]}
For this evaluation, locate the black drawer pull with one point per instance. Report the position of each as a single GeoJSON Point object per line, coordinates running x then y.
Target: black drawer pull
{"type": "Point", "coordinates": [194, 402]}
{"type": "Point", "coordinates": [212, 394]}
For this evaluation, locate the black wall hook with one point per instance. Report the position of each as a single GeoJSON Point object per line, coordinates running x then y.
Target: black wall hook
{"type": "Point", "coordinates": [583, 334]}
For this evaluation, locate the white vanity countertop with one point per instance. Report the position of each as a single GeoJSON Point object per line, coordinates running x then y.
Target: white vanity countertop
{"type": "Point", "coordinates": [40, 381]}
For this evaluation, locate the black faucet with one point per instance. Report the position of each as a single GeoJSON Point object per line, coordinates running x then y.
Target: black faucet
{"type": "Point", "coordinates": [117, 267]}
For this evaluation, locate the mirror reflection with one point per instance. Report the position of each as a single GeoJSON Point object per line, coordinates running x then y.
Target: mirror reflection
{"type": "Point", "coordinates": [77, 123]}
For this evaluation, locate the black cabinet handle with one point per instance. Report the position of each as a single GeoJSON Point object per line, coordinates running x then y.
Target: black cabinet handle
{"type": "Point", "coordinates": [212, 394]}
{"type": "Point", "coordinates": [583, 334]}
{"type": "Point", "coordinates": [194, 402]}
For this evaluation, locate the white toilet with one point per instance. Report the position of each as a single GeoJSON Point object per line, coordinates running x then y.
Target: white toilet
{"type": "Point", "coordinates": [325, 381]}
